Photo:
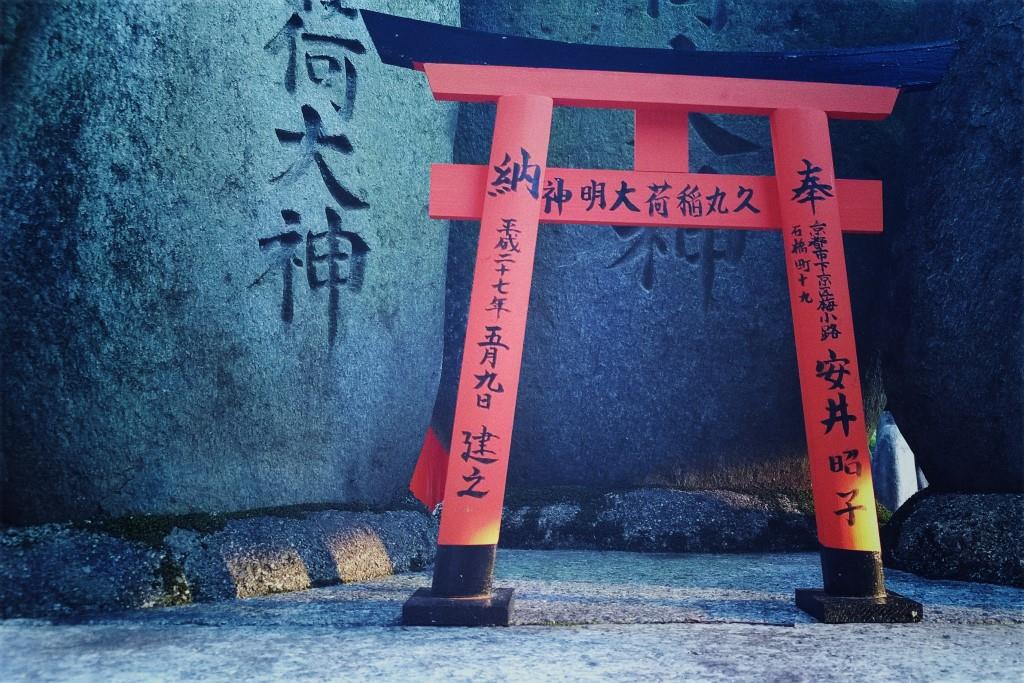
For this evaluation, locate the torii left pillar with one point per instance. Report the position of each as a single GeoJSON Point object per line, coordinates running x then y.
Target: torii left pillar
{"type": "Point", "coordinates": [461, 593]}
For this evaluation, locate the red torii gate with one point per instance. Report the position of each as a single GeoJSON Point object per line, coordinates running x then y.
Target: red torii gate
{"type": "Point", "coordinates": [515, 192]}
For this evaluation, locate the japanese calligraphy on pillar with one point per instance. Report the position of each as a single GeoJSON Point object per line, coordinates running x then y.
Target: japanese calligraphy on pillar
{"type": "Point", "coordinates": [318, 59]}
{"type": "Point", "coordinates": [509, 177]}
{"type": "Point", "coordinates": [495, 331]}
{"type": "Point", "coordinates": [823, 324]}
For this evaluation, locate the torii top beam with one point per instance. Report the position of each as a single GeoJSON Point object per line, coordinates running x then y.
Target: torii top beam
{"type": "Point", "coordinates": [852, 84]}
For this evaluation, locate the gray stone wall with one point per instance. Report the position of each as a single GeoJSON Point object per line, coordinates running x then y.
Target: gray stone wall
{"type": "Point", "coordinates": [954, 361]}
{"type": "Point", "coordinates": [221, 288]}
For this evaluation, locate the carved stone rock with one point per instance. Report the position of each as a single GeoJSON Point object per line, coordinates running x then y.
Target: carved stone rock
{"type": "Point", "coordinates": [221, 288]}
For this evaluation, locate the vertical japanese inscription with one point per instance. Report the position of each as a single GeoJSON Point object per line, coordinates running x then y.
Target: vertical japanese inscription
{"type": "Point", "coordinates": [319, 68]}
{"type": "Point", "coordinates": [511, 176]}
{"type": "Point", "coordinates": [811, 257]}
{"type": "Point", "coordinates": [492, 353]}
{"type": "Point", "coordinates": [823, 327]}
{"type": "Point", "coordinates": [488, 381]}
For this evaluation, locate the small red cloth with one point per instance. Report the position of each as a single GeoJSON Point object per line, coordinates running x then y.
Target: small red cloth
{"type": "Point", "coordinates": [427, 482]}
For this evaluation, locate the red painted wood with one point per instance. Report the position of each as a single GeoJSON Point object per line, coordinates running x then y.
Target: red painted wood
{"type": "Point", "coordinates": [661, 140]}
{"type": "Point", "coordinates": [482, 434]}
{"type": "Point", "coordinates": [457, 190]}
{"type": "Point", "coordinates": [826, 354]}
{"type": "Point", "coordinates": [428, 477]}
{"type": "Point", "coordinates": [621, 90]}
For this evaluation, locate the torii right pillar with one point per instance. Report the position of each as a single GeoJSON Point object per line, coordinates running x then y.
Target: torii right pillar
{"type": "Point", "coordinates": [844, 500]}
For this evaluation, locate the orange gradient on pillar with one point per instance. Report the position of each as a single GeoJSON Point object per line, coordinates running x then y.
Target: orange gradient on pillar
{"type": "Point", "coordinates": [492, 353]}
{"type": "Point", "coordinates": [826, 354]}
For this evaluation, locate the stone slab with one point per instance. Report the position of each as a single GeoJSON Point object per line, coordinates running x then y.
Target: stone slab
{"type": "Point", "coordinates": [351, 632]}
{"type": "Point", "coordinates": [604, 587]}
{"type": "Point", "coordinates": [953, 342]}
{"type": "Point", "coordinates": [706, 652]}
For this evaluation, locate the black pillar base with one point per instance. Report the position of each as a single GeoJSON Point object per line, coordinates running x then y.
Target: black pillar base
{"type": "Point", "coordinates": [857, 573]}
{"type": "Point", "coordinates": [463, 571]}
{"type": "Point", "coordinates": [891, 608]}
{"type": "Point", "coordinates": [426, 609]}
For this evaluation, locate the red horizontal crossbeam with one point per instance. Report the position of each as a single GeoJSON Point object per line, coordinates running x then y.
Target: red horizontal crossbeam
{"type": "Point", "coordinates": [622, 90]}
{"type": "Point", "coordinates": [744, 202]}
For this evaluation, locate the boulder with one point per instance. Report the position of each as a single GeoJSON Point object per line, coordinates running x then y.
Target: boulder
{"type": "Point", "coordinates": [264, 554]}
{"type": "Point", "coordinates": [147, 561]}
{"type": "Point", "coordinates": [954, 351]}
{"type": "Point", "coordinates": [661, 520]}
{"type": "Point", "coordinates": [56, 569]}
{"type": "Point", "coordinates": [655, 355]}
{"type": "Point", "coordinates": [961, 536]}
{"type": "Point", "coordinates": [221, 288]}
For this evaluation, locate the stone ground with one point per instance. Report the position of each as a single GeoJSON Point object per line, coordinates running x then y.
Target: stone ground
{"type": "Point", "coordinates": [580, 615]}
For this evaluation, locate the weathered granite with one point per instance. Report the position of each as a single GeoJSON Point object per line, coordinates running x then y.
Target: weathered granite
{"type": "Point", "coordinates": [176, 333]}
{"type": "Point", "coordinates": [653, 355]}
{"type": "Point", "coordinates": [264, 555]}
{"type": "Point", "coordinates": [57, 569]}
{"type": "Point", "coordinates": [54, 570]}
{"type": "Point", "coordinates": [663, 520]}
{"type": "Point", "coordinates": [969, 537]}
{"type": "Point", "coordinates": [578, 616]}
{"type": "Point", "coordinates": [954, 353]}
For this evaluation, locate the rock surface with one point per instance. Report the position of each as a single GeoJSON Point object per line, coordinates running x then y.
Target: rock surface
{"type": "Point", "coordinates": [969, 537]}
{"type": "Point", "coordinates": [578, 616]}
{"type": "Point", "coordinates": [893, 468]}
{"type": "Point", "coordinates": [221, 288]}
{"type": "Point", "coordinates": [263, 555]}
{"type": "Point", "coordinates": [954, 360]}
{"type": "Point", "coordinates": [653, 355]}
{"type": "Point", "coordinates": [54, 570]}
{"type": "Point", "coordinates": [663, 520]}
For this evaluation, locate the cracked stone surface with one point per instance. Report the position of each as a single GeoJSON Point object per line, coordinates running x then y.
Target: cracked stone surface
{"type": "Point", "coordinates": [579, 615]}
